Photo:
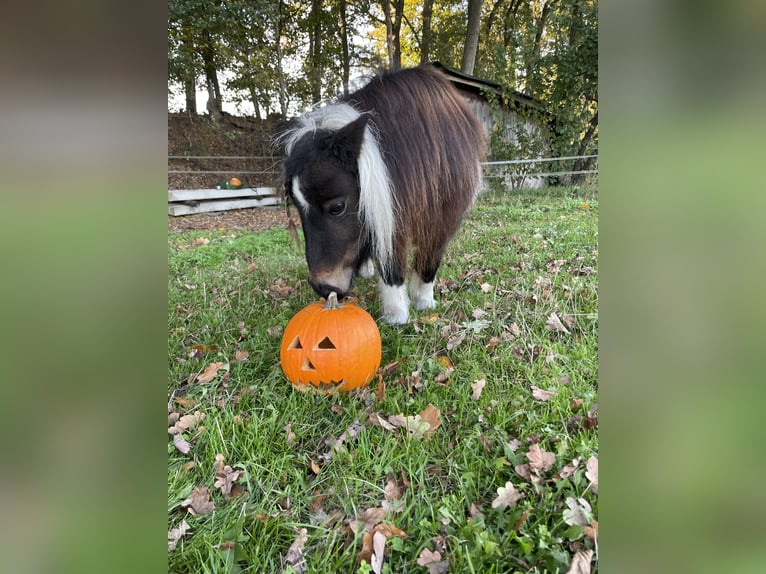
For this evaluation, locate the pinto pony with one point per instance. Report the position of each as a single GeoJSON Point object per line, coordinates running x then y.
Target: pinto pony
{"type": "Point", "coordinates": [385, 171]}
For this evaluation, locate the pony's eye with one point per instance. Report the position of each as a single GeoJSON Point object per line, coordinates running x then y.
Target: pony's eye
{"type": "Point", "coordinates": [337, 208]}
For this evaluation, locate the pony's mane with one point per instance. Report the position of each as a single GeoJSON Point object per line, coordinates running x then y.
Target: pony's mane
{"type": "Point", "coordinates": [376, 199]}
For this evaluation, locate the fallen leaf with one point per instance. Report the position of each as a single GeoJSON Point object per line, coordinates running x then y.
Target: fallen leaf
{"type": "Point", "coordinates": [390, 368]}
{"type": "Point", "coordinates": [240, 356]}
{"type": "Point", "coordinates": [507, 496]}
{"type": "Point", "coordinates": [592, 473]}
{"type": "Point", "coordinates": [581, 562]}
{"type": "Point", "coordinates": [197, 351]}
{"type": "Point", "coordinates": [210, 373]}
{"type": "Point", "coordinates": [456, 340]}
{"type": "Point", "coordinates": [294, 556]}
{"type": "Point", "coordinates": [175, 535]}
{"type": "Point", "coordinates": [225, 476]}
{"type": "Point", "coordinates": [444, 375]}
{"type": "Point", "coordinates": [578, 512]}
{"type": "Point", "coordinates": [540, 460]}
{"type": "Point", "coordinates": [378, 551]}
{"type": "Point", "coordinates": [569, 320]}
{"type": "Point", "coordinates": [433, 562]}
{"type": "Point", "coordinates": [376, 420]}
{"type": "Point", "coordinates": [575, 404]}
{"type": "Point", "coordinates": [181, 444]}
{"type": "Point", "coordinates": [185, 402]}
{"type": "Point", "coordinates": [477, 386]}
{"type": "Point", "coordinates": [514, 444]}
{"type": "Point", "coordinates": [289, 434]}
{"type": "Point", "coordinates": [493, 343]}
{"type": "Point", "coordinates": [569, 469]}
{"type": "Point", "coordinates": [173, 418]}
{"type": "Point", "coordinates": [380, 390]}
{"type": "Point", "coordinates": [542, 395]}
{"type": "Point", "coordinates": [591, 531]}
{"type": "Point", "coordinates": [315, 467]}
{"type": "Point", "coordinates": [391, 491]}
{"type": "Point", "coordinates": [513, 330]}
{"type": "Point", "coordinates": [198, 501]}
{"type": "Point", "coordinates": [554, 324]}
{"type": "Point", "coordinates": [565, 379]}
{"type": "Point", "coordinates": [486, 287]}
{"type": "Point", "coordinates": [522, 519]}
{"type": "Point", "coordinates": [187, 422]}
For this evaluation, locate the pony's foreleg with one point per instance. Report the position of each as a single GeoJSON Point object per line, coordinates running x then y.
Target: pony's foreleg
{"type": "Point", "coordinates": [393, 293]}
{"type": "Point", "coordinates": [422, 281]}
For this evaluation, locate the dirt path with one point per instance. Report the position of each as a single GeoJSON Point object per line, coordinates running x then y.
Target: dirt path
{"type": "Point", "coordinates": [256, 219]}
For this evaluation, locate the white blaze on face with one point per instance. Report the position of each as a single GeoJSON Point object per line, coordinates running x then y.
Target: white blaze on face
{"type": "Point", "coordinates": [300, 199]}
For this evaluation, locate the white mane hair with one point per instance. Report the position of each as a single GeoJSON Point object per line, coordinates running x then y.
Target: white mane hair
{"type": "Point", "coordinates": [377, 204]}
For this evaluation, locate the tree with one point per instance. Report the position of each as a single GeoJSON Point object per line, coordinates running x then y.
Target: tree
{"type": "Point", "coordinates": [471, 37]}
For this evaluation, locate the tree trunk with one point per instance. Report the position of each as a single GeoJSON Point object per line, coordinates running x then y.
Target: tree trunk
{"type": "Point", "coordinates": [280, 69]}
{"type": "Point", "coordinates": [345, 64]}
{"type": "Point", "coordinates": [396, 34]}
{"type": "Point", "coordinates": [254, 99]}
{"type": "Point", "coordinates": [385, 4]}
{"type": "Point", "coordinates": [190, 89]}
{"type": "Point", "coordinates": [534, 58]}
{"type": "Point", "coordinates": [471, 37]}
{"type": "Point", "coordinates": [315, 51]}
{"type": "Point", "coordinates": [425, 44]}
{"type": "Point", "coordinates": [582, 164]}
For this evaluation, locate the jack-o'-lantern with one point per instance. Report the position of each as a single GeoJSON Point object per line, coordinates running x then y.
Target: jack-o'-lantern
{"type": "Point", "coordinates": [330, 347]}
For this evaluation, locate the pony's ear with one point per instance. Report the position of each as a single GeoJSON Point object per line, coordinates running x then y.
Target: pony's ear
{"type": "Point", "coordinates": [347, 142]}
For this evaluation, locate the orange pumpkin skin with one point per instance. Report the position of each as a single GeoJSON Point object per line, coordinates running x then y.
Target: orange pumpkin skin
{"type": "Point", "coordinates": [331, 349]}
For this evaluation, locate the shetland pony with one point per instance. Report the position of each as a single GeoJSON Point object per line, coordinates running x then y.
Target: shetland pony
{"type": "Point", "coordinates": [385, 171]}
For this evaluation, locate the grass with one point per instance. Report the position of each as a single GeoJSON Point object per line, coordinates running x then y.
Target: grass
{"type": "Point", "coordinates": [518, 258]}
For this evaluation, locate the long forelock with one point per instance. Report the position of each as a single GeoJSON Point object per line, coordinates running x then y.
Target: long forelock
{"type": "Point", "coordinates": [377, 206]}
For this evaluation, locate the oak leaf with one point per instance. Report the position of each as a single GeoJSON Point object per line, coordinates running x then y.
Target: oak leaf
{"type": "Point", "coordinates": [477, 386]}
{"type": "Point", "coordinates": [540, 460]}
{"type": "Point", "coordinates": [198, 501]}
{"type": "Point", "coordinates": [578, 512]}
{"type": "Point", "coordinates": [210, 373]}
{"type": "Point", "coordinates": [507, 496]}
{"type": "Point", "coordinates": [433, 562]}
{"type": "Point", "coordinates": [542, 395]}
{"type": "Point", "coordinates": [175, 535]}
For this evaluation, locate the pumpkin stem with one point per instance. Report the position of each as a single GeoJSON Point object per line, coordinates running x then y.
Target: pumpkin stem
{"type": "Point", "coordinates": [332, 301]}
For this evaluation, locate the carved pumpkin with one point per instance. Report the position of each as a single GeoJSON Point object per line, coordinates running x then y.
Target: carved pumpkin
{"type": "Point", "coordinates": [330, 347]}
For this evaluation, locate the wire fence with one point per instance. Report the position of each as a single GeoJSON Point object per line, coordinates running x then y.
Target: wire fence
{"type": "Point", "coordinates": [492, 169]}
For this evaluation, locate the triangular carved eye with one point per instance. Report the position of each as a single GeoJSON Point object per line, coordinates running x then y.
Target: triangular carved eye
{"type": "Point", "coordinates": [296, 344]}
{"type": "Point", "coordinates": [325, 343]}
{"type": "Point", "coordinates": [308, 366]}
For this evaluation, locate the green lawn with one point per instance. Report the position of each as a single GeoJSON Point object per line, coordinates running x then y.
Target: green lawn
{"type": "Point", "coordinates": [315, 480]}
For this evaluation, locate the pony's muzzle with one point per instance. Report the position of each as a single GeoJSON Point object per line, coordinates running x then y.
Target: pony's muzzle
{"type": "Point", "coordinates": [324, 289]}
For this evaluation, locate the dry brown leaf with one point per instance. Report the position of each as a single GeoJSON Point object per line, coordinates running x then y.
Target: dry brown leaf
{"type": "Point", "coordinates": [554, 324]}
{"type": "Point", "coordinates": [391, 491]}
{"type": "Point", "coordinates": [225, 477]}
{"type": "Point", "coordinates": [456, 341]}
{"type": "Point", "coordinates": [578, 512]}
{"type": "Point", "coordinates": [477, 386]}
{"type": "Point", "coordinates": [565, 379]}
{"type": "Point", "coordinates": [507, 496]}
{"type": "Point", "coordinates": [315, 467]}
{"type": "Point", "coordinates": [592, 473]}
{"type": "Point", "coordinates": [210, 373]}
{"type": "Point", "coordinates": [378, 551]}
{"type": "Point", "coordinates": [289, 434]}
{"type": "Point", "coordinates": [379, 421]}
{"type": "Point", "coordinates": [569, 469]}
{"type": "Point", "coordinates": [575, 404]}
{"type": "Point", "coordinates": [581, 562]}
{"type": "Point", "coordinates": [542, 395]}
{"type": "Point", "coordinates": [432, 416]}
{"type": "Point", "coordinates": [187, 422]}
{"type": "Point", "coordinates": [173, 418]}
{"type": "Point", "coordinates": [390, 368]}
{"type": "Point", "coordinates": [522, 519]}
{"type": "Point", "coordinates": [368, 518]}
{"type": "Point", "coordinates": [540, 460]}
{"type": "Point", "coordinates": [513, 330]}
{"type": "Point", "coordinates": [493, 343]}
{"type": "Point", "coordinates": [294, 556]}
{"type": "Point", "coordinates": [444, 375]}
{"type": "Point", "coordinates": [175, 535]}
{"type": "Point", "coordinates": [433, 562]}
{"type": "Point", "coordinates": [185, 402]}
{"type": "Point", "coordinates": [240, 356]}
{"type": "Point", "coordinates": [181, 444]}
{"type": "Point", "coordinates": [591, 531]}
{"type": "Point", "coordinates": [198, 501]}
{"type": "Point", "coordinates": [380, 390]}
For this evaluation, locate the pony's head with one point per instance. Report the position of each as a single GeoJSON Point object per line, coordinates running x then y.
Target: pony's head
{"type": "Point", "coordinates": [336, 178]}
